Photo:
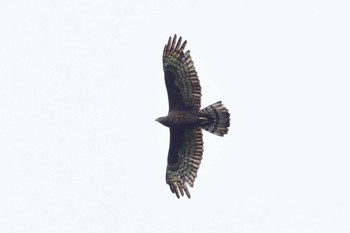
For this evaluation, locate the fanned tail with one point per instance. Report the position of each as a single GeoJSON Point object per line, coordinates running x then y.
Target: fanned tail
{"type": "Point", "coordinates": [219, 119]}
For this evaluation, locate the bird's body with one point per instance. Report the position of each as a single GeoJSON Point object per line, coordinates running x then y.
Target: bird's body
{"type": "Point", "coordinates": [185, 118]}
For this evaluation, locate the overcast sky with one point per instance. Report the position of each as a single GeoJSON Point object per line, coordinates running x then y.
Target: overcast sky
{"type": "Point", "coordinates": [81, 84]}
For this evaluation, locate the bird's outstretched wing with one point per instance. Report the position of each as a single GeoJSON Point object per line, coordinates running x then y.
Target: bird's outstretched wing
{"type": "Point", "coordinates": [184, 158]}
{"type": "Point", "coordinates": [182, 83]}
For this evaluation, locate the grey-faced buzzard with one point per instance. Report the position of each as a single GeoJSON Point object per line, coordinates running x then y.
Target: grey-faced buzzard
{"type": "Point", "coordinates": [185, 118]}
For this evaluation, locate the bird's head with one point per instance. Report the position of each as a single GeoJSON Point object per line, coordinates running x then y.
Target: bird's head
{"type": "Point", "coordinates": [161, 120]}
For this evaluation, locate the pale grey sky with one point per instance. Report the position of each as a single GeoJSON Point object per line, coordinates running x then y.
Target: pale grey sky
{"type": "Point", "coordinates": [81, 83]}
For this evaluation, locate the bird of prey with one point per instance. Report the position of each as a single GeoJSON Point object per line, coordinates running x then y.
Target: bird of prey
{"type": "Point", "coordinates": [185, 118]}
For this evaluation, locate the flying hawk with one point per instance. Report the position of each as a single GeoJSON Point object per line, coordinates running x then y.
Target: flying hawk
{"type": "Point", "coordinates": [185, 118]}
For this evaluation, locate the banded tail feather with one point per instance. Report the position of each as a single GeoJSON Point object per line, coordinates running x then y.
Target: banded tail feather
{"type": "Point", "coordinates": [220, 119]}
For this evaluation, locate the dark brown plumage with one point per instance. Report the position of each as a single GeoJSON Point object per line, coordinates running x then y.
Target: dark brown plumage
{"type": "Point", "coordinates": [185, 119]}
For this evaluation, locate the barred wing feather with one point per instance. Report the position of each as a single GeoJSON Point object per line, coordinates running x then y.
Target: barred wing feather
{"type": "Point", "coordinates": [184, 158]}
{"type": "Point", "coordinates": [182, 83]}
